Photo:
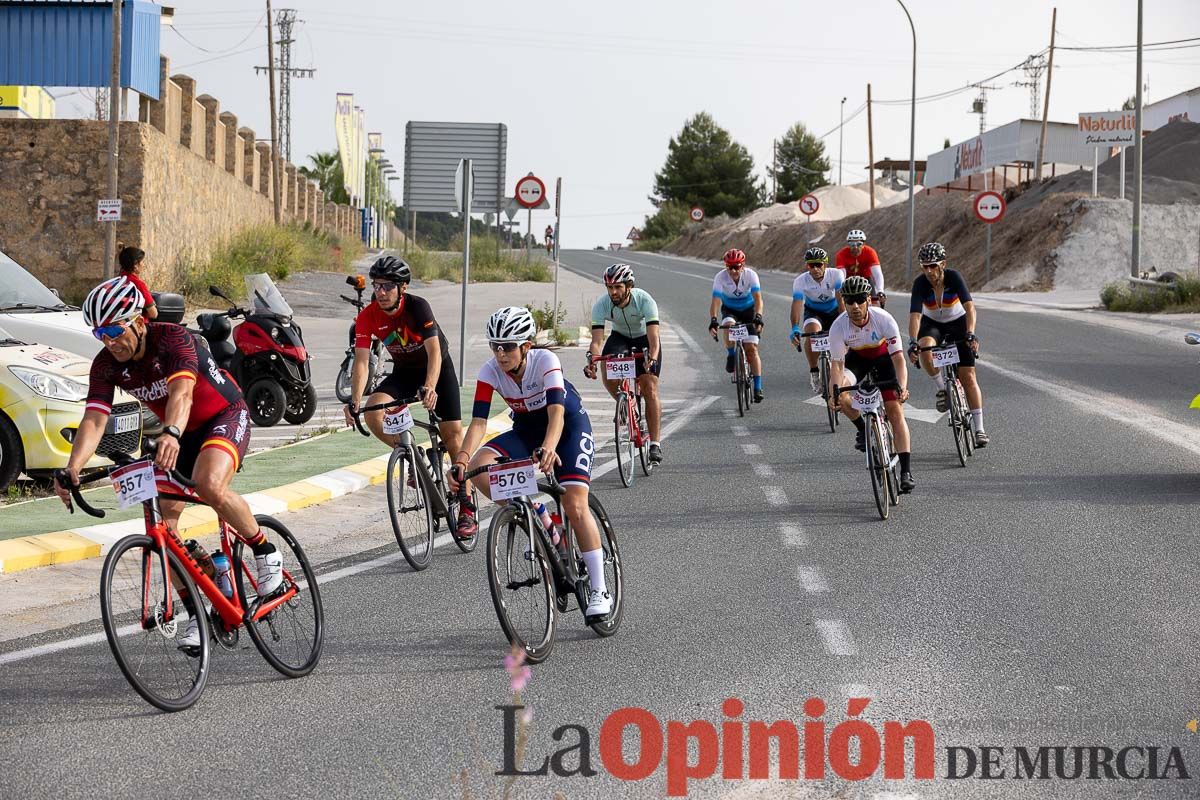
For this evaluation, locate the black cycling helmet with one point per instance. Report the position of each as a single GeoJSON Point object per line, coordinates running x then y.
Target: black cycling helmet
{"type": "Point", "coordinates": [931, 253]}
{"type": "Point", "coordinates": [856, 286]}
{"type": "Point", "coordinates": [390, 268]}
{"type": "Point", "coordinates": [816, 255]}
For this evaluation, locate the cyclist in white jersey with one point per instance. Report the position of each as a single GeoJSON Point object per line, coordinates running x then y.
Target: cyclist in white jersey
{"type": "Point", "coordinates": [866, 341]}
{"type": "Point", "coordinates": [737, 294]}
{"type": "Point", "coordinates": [816, 303]}
{"type": "Point", "coordinates": [633, 315]}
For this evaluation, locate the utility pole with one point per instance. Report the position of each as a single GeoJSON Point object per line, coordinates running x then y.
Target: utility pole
{"type": "Point", "coordinates": [286, 20]}
{"type": "Point", "coordinates": [1033, 68]}
{"type": "Point", "coordinates": [114, 139]}
{"type": "Point", "coordinates": [979, 106]}
{"type": "Point", "coordinates": [870, 149]}
{"type": "Point", "coordinates": [1046, 108]}
{"type": "Point", "coordinates": [1135, 264]}
{"type": "Point", "coordinates": [276, 183]}
{"type": "Point", "coordinates": [774, 167]}
{"type": "Point", "coordinates": [841, 136]}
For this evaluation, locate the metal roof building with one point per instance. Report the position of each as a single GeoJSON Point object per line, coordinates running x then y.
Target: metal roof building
{"type": "Point", "coordinates": [1013, 144]}
{"type": "Point", "coordinates": [69, 43]}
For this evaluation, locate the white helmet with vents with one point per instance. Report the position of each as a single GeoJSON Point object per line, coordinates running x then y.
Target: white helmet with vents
{"type": "Point", "coordinates": [511, 324]}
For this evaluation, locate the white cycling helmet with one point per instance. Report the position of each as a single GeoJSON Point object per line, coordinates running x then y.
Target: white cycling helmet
{"type": "Point", "coordinates": [511, 324]}
{"type": "Point", "coordinates": [618, 273]}
{"type": "Point", "coordinates": [856, 237]}
{"type": "Point", "coordinates": [115, 300]}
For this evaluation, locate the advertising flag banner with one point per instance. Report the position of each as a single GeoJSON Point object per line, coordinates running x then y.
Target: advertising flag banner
{"type": "Point", "coordinates": [342, 119]}
{"type": "Point", "coordinates": [360, 151]}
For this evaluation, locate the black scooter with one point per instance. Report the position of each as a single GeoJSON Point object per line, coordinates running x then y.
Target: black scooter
{"type": "Point", "coordinates": [266, 357]}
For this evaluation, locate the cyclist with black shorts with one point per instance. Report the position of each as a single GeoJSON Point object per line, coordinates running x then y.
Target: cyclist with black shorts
{"type": "Point", "coordinates": [421, 363]}
{"type": "Point", "coordinates": [816, 303]}
{"type": "Point", "coordinates": [866, 341]}
{"type": "Point", "coordinates": [549, 426]}
{"type": "Point", "coordinates": [633, 315]}
{"type": "Point", "coordinates": [206, 423]}
{"type": "Point", "coordinates": [737, 294]}
{"type": "Point", "coordinates": [859, 258]}
{"type": "Point", "coordinates": [941, 310]}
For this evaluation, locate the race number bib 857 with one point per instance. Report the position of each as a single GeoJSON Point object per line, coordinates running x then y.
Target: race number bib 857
{"type": "Point", "coordinates": [398, 421]}
{"type": "Point", "coordinates": [945, 356]}
{"type": "Point", "coordinates": [514, 479]}
{"type": "Point", "coordinates": [134, 483]}
{"type": "Point", "coordinates": [616, 369]}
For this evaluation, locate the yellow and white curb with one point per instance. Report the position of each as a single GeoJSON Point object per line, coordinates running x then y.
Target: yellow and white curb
{"type": "Point", "coordinates": [93, 541]}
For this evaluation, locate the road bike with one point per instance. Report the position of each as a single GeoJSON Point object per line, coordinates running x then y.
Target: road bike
{"type": "Point", "coordinates": [629, 419]}
{"type": "Point", "coordinates": [882, 461]}
{"type": "Point", "coordinates": [341, 386]}
{"type": "Point", "coordinates": [532, 578]}
{"type": "Point", "coordinates": [146, 611]}
{"type": "Point", "coordinates": [419, 501]}
{"type": "Point", "coordinates": [741, 380]}
{"type": "Point", "coordinates": [819, 342]}
{"type": "Point", "coordinates": [945, 358]}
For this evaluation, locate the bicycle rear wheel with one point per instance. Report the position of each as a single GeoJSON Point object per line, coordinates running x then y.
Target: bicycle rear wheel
{"type": "Point", "coordinates": [965, 415]}
{"type": "Point", "coordinates": [893, 478]}
{"type": "Point", "coordinates": [877, 465]}
{"type": "Point", "coordinates": [614, 577]}
{"type": "Point", "coordinates": [740, 372]}
{"type": "Point", "coordinates": [521, 583]}
{"type": "Point", "coordinates": [411, 514]}
{"type": "Point", "coordinates": [643, 451]}
{"type": "Point", "coordinates": [956, 424]}
{"type": "Point", "coordinates": [148, 651]}
{"type": "Point", "coordinates": [823, 374]}
{"type": "Point", "coordinates": [623, 440]}
{"type": "Point", "coordinates": [291, 634]}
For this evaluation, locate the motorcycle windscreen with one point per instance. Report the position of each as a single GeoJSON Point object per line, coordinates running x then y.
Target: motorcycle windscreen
{"type": "Point", "coordinates": [266, 297]}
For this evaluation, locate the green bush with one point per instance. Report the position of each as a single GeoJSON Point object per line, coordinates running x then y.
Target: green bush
{"type": "Point", "coordinates": [1122, 296]}
{"type": "Point", "coordinates": [486, 265]}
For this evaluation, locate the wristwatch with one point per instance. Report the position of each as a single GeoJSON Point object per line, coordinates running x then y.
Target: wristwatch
{"type": "Point", "coordinates": [172, 431]}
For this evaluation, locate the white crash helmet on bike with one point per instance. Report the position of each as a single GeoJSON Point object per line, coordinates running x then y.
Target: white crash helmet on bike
{"type": "Point", "coordinates": [856, 237]}
{"type": "Point", "coordinates": [114, 301]}
{"type": "Point", "coordinates": [511, 324]}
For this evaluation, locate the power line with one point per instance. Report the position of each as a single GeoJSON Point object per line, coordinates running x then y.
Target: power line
{"type": "Point", "coordinates": [221, 58]}
{"type": "Point", "coordinates": [179, 33]}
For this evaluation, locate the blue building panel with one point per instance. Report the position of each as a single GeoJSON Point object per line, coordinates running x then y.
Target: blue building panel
{"type": "Point", "coordinates": [48, 43]}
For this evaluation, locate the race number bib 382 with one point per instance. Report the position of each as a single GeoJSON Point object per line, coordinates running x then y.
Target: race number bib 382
{"type": "Point", "coordinates": [514, 479]}
{"type": "Point", "coordinates": [945, 356]}
{"type": "Point", "coordinates": [134, 483]}
{"type": "Point", "coordinates": [398, 421]}
{"type": "Point", "coordinates": [616, 369]}
{"type": "Point", "coordinates": [867, 402]}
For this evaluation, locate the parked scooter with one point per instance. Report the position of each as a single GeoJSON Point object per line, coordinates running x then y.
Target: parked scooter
{"type": "Point", "coordinates": [266, 356]}
{"type": "Point", "coordinates": [342, 387]}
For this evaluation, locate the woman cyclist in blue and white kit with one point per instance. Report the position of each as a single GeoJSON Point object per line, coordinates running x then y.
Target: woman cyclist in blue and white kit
{"type": "Point", "coordinates": [633, 315]}
{"type": "Point", "coordinates": [816, 303]}
{"type": "Point", "coordinates": [549, 425]}
{"type": "Point", "coordinates": [737, 294]}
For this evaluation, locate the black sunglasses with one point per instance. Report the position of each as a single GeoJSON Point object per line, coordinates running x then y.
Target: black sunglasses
{"type": "Point", "coordinates": [505, 347]}
{"type": "Point", "coordinates": [855, 299]}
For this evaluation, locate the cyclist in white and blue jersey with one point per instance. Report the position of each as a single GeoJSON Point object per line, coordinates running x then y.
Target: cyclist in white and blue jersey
{"type": "Point", "coordinates": [549, 426]}
{"type": "Point", "coordinates": [737, 294]}
{"type": "Point", "coordinates": [633, 315]}
{"type": "Point", "coordinates": [816, 303]}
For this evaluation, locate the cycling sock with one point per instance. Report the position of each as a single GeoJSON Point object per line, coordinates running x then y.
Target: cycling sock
{"type": "Point", "coordinates": [729, 350]}
{"type": "Point", "coordinates": [977, 419]}
{"type": "Point", "coordinates": [905, 462]}
{"type": "Point", "coordinates": [758, 383]}
{"type": "Point", "coordinates": [814, 370]}
{"type": "Point", "coordinates": [858, 423]}
{"type": "Point", "coordinates": [595, 567]}
{"type": "Point", "coordinates": [260, 545]}
{"type": "Point", "coordinates": [654, 443]}
{"type": "Point", "coordinates": [940, 380]}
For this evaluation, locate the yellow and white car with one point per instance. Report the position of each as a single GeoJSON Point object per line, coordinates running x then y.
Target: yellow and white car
{"type": "Point", "coordinates": [42, 392]}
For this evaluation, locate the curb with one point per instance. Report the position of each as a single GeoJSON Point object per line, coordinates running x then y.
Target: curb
{"type": "Point", "coordinates": [93, 541]}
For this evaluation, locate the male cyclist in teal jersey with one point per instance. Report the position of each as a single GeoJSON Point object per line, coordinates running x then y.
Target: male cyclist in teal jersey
{"type": "Point", "coordinates": [634, 317]}
{"type": "Point", "coordinates": [737, 294]}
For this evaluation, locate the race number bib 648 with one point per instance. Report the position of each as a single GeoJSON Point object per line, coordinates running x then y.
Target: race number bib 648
{"type": "Point", "coordinates": [398, 421]}
{"type": "Point", "coordinates": [514, 479]}
{"type": "Point", "coordinates": [134, 483]}
{"type": "Point", "coordinates": [616, 369]}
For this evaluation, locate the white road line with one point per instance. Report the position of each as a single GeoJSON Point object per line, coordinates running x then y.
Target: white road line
{"type": "Point", "coordinates": [729, 413]}
{"type": "Point", "coordinates": [740, 430]}
{"type": "Point", "coordinates": [775, 496]}
{"type": "Point", "coordinates": [763, 470]}
{"type": "Point", "coordinates": [856, 690]}
{"type": "Point", "coordinates": [345, 572]}
{"type": "Point", "coordinates": [811, 580]}
{"type": "Point", "coordinates": [836, 636]}
{"type": "Point", "coordinates": [793, 535]}
{"type": "Point", "coordinates": [683, 334]}
{"type": "Point", "coordinates": [752, 449]}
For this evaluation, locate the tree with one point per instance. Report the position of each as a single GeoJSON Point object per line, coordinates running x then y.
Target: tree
{"type": "Point", "coordinates": [1130, 103]}
{"type": "Point", "coordinates": [705, 167]}
{"type": "Point", "coordinates": [326, 170]}
{"type": "Point", "coordinates": [800, 164]}
{"type": "Point", "coordinates": [946, 143]}
{"type": "Point", "coordinates": [665, 224]}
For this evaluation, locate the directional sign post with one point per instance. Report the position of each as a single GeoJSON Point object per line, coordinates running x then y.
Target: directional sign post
{"type": "Point", "coordinates": [697, 213]}
{"type": "Point", "coordinates": [809, 205]}
{"type": "Point", "coordinates": [989, 208]}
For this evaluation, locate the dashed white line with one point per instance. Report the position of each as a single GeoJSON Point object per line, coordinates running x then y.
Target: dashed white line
{"type": "Point", "coordinates": [836, 637]}
{"type": "Point", "coordinates": [812, 580]}
{"type": "Point", "coordinates": [856, 690]}
{"type": "Point", "coordinates": [729, 413]}
{"type": "Point", "coordinates": [793, 535]}
{"type": "Point", "coordinates": [752, 450]}
{"type": "Point", "coordinates": [775, 496]}
{"type": "Point", "coordinates": [740, 430]}
{"type": "Point", "coordinates": [763, 470]}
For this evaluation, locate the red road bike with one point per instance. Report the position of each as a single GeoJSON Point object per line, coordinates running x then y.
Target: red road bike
{"type": "Point", "coordinates": [629, 420]}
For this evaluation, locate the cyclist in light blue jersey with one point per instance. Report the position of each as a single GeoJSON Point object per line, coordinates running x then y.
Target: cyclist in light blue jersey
{"type": "Point", "coordinates": [816, 303]}
{"type": "Point", "coordinates": [737, 294]}
{"type": "Point", "coordinates": [633, 315]}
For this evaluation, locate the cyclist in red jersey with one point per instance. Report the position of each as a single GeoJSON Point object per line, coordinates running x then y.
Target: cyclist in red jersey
{"type": "Point", "coordinates": [859, 258]}
{"type": "Point", "coordinates": [206, 423]}
{"type": "Point", "coordinates": [130, 259]}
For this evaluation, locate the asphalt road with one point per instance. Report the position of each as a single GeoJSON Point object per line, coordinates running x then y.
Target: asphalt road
{"type": "Point", "coordinates": [1041, 597]}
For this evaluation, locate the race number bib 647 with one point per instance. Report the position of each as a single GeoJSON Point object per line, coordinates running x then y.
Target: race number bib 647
{"type": "Point", "coordinates": [398, 421]}
{"type": "Point", "coordinates": [514, 479]}
{"type": "Point", "coordinates": [134, 483]}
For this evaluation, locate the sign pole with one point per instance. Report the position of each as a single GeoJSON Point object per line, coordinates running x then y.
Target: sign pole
{"type": "Point", "coordinates": [987, 271]}
{"type": "Point", "coordinates": [528, 231]}
{"type": "Point", "coordinates": [1122, 157]}
{"type": "Point", "coordinates": [1095, 171]}
{"type": "Point", "coordinates": [114, 139]}
{"type": "Point", "coordinates": [462, 324]}
{"type": "Point", "coordinates": [557, 246]}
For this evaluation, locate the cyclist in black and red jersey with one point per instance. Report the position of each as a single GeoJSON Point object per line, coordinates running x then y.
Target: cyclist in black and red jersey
{"type": "Point", "coordinates": [206, 423]}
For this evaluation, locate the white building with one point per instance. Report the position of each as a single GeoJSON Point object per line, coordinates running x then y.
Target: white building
{"type": "Point", "coordinates": [1011, 145]}
{"type": "Point", "coordinates": [1185, 106]}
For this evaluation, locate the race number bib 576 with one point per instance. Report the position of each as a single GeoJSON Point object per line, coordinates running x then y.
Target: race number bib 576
{"type": "Point", "coordinates": [616, 369]}
{"type": "Point", "coordinates": [514, 479]}
{"type": "Point", "coordinates": [398, 421]}
{"type": "Point", "coordinates": [134, 483]}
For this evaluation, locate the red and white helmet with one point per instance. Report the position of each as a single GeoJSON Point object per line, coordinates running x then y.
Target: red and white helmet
{"type": "Point", "coordinates": [734, 256]}
{"type": "Point", "coordinates": [115, 300]}
{"type": "Point", "coordinates": [618, 273]}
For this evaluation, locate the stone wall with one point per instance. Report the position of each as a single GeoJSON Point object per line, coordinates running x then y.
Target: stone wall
{"type": "Point", "coordinates": [190, 177]}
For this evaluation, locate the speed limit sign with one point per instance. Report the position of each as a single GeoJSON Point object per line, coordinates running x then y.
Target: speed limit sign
{"type": "Point", "coordinates": [809, 204]}
{"type": "Point", "coordinates": [697, 213]}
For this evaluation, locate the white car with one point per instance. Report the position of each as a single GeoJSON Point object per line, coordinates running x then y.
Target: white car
{"type": "Point", "coordinates": [32, 313]}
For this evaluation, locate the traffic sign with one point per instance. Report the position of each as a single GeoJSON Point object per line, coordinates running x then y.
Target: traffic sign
{"type": "Point", "coordinates": [990, 206]}
{"type": "Point", "coordinates": [511, 207]}
{"type": "Point", "coordinates": [634, 235]}
{"type": "Point", "coordinates": [809, 204]}
{"type": "Point", "coordinates": [531, 192]}
{"type": "Point", "coordinates": [697, 213]}
{"type": "Point", "coordinates": [459, 203]}
{"type": "Point", "coordinates": [108, 210]}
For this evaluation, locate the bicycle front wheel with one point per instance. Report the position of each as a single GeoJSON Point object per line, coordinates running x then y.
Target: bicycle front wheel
{"type": "Point", "coordinates": [290, 635]}
{"type": "Point", "coordinates": [893, 478]}
{"type": "Point", "coordinates": [643, 451]}
{"type": "Point", "coordinates": [740, 382]}
{"type": "Point", "coordinates": [964, 412]}
{"type": "Point", "coordinates": [521, 583]}
{"type": "Point", "coordinates": [465, 543]}
{"type": "Point", "coordinates": [823, 375]}
{"type": "Point", "coordinates": [614, 577]}
{"type": "Point", "coordinates": [144, 642]}
{"type": "Point", "coordinates": [957, 426]}
{"type": "Point", "coordinates": [411, 514]}
{"type": "Point", "coordinates": [623, 440]}
{"type": "Point", "coordinates": [877, 465]}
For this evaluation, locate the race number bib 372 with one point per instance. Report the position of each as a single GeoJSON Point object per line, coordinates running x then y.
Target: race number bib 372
{"type": "Point", "coordinates": [737, 333]}
{"type": "Point", "coordinates": [514, 479]}
{"type": "Point", "coordinates": [134, 483]}
{"type": "Point", "coordinates": [616, 369]}
{"type": "Point", "coordinates": [398, 421]}
{"type": "Point", "coordinates": [945, 356]}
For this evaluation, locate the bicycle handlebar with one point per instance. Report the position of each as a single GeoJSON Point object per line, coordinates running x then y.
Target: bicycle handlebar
{"type": "Point", "coordinates": [120, 460]}
{"type": "Point", "coordinates": [956, 342]}
{"type": "Point", "coordinates": [867, 384]}
{"type": "Point", "coordinates": [535, 456]}
{"type": "Point", "coordinates": [639, 355]}
{"type": "Point", "coordinates": [434, 419]}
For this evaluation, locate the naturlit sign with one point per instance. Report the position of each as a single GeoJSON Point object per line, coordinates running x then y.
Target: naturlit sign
{"type": "Point", "coordinates": [1107, 128]}
{"type": "Point", "coordinates": [969, 158]}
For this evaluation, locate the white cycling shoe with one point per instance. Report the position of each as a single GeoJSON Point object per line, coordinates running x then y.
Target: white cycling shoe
{"type": "Point", "coordinates": [191, 635]}
{"type": "Point", "coordinates": [599, 605]}
{"type": "Point", "coordinates": [270, 573]}
{"type": "Point", "coordinates": [814, 380]}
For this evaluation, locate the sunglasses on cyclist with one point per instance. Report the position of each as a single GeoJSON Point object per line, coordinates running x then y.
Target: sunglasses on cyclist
{"type": "Point", "coordinates": [504, 347]}
{"type": "Point", "coordinates": [855, 299]}
{"type": "Point", "coordinates": [108, 331]}
{"type": "Point", "coordinates": [931, 264]}
{"type": "Point", "coordinates": [385, 286]}
{"type": "Point", "coordinates": [812, 264]}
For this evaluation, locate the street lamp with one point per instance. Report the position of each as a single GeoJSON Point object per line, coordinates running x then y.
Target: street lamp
{"type": "Point", "coordinates": [912, 149]}
{"type": "Point", "coordinates": [841, 136]}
